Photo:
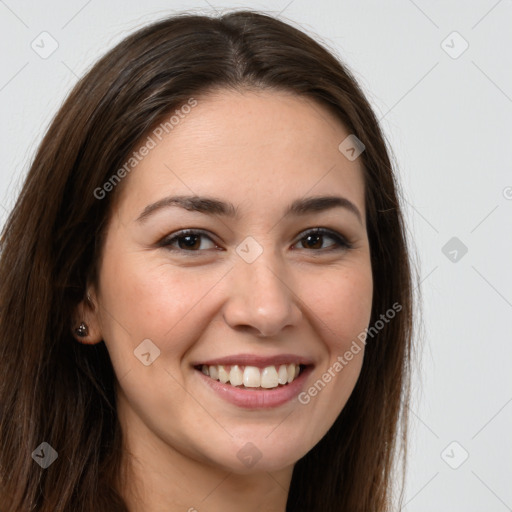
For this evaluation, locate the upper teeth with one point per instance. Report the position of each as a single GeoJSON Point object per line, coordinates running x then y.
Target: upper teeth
{"type": "Point", "coordinates": [252, 376]}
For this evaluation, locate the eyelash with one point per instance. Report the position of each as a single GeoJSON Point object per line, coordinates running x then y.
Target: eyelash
{"type": "Point", "coordinates": [340, 242]}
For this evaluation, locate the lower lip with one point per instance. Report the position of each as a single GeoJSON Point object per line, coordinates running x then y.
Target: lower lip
{"type": "Point", "coordinates": [257, 398]}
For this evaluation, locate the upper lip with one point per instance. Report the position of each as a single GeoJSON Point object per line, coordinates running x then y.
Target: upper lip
{"type": "Point", "coordinates": [257, 360]}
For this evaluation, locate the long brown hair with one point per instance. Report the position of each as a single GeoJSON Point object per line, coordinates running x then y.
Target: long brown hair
{"type": "Point", "coordinates": [56, 390]}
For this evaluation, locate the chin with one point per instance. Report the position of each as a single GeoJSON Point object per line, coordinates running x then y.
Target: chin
{"type": "Point", "coordinates": [247, 457]}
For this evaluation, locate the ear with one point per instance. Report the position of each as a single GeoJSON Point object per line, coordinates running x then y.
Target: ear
{"type": "Point", "coordinates": [87, 312]}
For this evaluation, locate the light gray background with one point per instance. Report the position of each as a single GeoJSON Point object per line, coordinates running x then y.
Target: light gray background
{"type": "Point", "coordinates": [449, 122]}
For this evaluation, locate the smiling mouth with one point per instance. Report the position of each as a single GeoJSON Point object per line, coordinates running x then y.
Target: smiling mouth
{"type": "Point", "coordinates": [252, 377]}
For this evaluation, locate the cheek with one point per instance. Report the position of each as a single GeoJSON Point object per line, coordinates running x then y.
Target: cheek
{"type": "Point", "coordinates": [146, 297]}
{"type": "Point", "coordinates": [341, 310]}
{"type": "Point", "coordinates": [342, 305]}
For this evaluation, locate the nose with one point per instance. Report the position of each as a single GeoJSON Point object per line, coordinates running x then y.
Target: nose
{"type": "Point", "coordinates": [261, 299]}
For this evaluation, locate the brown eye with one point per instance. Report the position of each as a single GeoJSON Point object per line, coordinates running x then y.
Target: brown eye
{"type": "Point", "coordinates": [186, 240]}
{"type": "Point", "coordinates": [314, 239]}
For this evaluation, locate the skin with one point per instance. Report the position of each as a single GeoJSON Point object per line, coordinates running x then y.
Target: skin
{"type": "Point", "coordinates": [260, 151]}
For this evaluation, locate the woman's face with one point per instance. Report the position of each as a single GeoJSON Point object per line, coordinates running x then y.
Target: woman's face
{"type": "Point", "coordinates": [252, 287]}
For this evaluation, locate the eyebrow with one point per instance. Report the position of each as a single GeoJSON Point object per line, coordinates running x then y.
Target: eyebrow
{"type": "Point", "coordinates": [214, 206]}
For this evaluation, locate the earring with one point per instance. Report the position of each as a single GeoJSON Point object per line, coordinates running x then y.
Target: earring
{"type": "Point", "coordinates": [82, 330]}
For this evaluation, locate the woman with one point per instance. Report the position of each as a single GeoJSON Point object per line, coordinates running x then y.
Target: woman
{"type": "Point", "coordinates": [206, 298]}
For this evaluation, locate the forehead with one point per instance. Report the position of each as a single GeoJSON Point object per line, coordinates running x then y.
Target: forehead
{"type": "Point", "coordinates": [250, 147]}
